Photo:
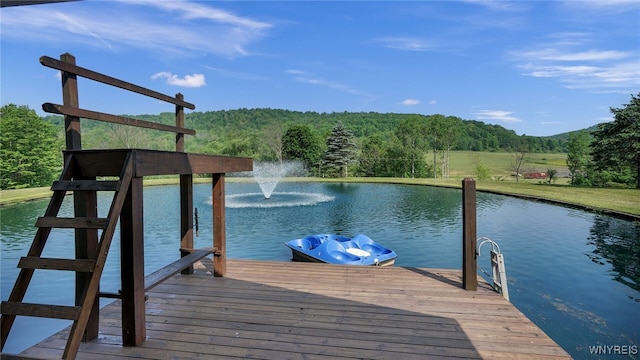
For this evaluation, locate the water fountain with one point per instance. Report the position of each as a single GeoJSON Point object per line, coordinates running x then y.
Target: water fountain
{"type": "Point", "coordinates": [268, 175]}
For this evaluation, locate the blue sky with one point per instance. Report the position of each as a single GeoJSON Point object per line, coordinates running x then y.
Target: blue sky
{"type": "Point", "coordinates": [536, 67]}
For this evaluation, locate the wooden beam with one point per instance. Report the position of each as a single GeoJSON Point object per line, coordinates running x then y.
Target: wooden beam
{"type": "Point", "coordinates": [40, 310]}
{"type": "Point", "coordinates": [70, 99]}
{"type": "Point", "coordinates": [132, 266]}
{"type": "Point", "coordinates": [186, 217]}
{"type": "Point", "coordinates": [85, 205]}
{"type": "Point", "coordinates": [166, 272]}
{"type": "Point", "coordinates": [34, 262]}
{"type": "Point", "coordinates": [122, 120]}
{"type": "Point", "coordinates": [152, 162]}
{"type": "Point", "coordinates": [105, 79]}
{"type": "Point", "coordinates": [219, 227]}
{"type": "Point", "coordinates": [84, 185]}
{"type": "Point", "coordinates": [88, 222]}
{"type": "Point", "coordinates": [179, 123]}
{"type": "Point", "coordinates": [7, 3]}
{"type": "Point", "coordinates": [469, 264]}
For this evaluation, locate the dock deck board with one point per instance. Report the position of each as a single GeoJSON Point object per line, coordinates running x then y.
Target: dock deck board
{"type": "Point", "coordinates": [288, 310]}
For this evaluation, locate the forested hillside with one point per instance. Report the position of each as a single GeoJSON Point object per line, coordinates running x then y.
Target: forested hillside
{"type": "Point", "coordinates": [243, 131]}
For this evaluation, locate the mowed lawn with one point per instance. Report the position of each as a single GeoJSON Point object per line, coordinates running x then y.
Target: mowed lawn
{"type": "Point", "coordinates": [501, 164]}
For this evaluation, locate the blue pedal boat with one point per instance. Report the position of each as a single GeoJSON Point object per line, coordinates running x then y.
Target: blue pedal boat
{"type": "Point", "coordinates": [337, 249]}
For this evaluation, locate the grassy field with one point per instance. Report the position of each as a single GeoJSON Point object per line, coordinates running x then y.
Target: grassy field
{"type": "Point", "coordinates": [463, 164]}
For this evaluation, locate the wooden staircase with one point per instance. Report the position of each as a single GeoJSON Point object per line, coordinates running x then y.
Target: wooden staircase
{"type": "Point", "coordinates": [71, 180]}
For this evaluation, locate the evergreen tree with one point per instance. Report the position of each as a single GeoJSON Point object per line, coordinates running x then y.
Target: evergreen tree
{"type": "Point", "coordinates": [29, 149]}
{"type": "Point", "coordinates": [616, 145]}
{"type": "Point", "coordinates": [340, 150]}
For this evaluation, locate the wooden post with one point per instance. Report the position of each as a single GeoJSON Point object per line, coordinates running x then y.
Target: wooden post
{"type": "Point", "coordinates": [85, 203]}
{"type": "Point", "coordinates": [132, 266]}
{"type": "Point", "coordinates": [219, 236]}
{"type": "Point", "coordinates": [469, 265]}
{"type": "Point", "coordinates": [179, 123]}
{"type": "Point", "coordinates": [186, 218]}
{"type": "Point", "coordinates": [70, 98]}
{"type": "Point", "coordinates": [186, 194]}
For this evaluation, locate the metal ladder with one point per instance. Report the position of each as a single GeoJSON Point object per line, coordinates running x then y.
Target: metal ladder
{"type": "Point", "coordinates": [70, 180]}
{"type": "Point", "coordinates": [499, 273]}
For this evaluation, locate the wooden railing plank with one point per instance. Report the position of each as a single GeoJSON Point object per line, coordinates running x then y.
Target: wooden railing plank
{"type": "Point", "coordinates": [95, 115]}
{"type": "Point", "coordinates": [105, 79]}
{"type": "Point", "coordinates": [68, 223]}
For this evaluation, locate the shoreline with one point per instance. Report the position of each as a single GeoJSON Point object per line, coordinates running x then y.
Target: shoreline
{"type": "Point", "coordinates": [525, 191]}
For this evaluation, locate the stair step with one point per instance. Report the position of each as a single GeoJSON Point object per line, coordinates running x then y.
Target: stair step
{"type": "Point", "coordinates": [40, 310]}
{"type": "Point", "coordinates": [68, 223]}
{"type": "Point", "coordinates": [79, 265]}
{"type": "Point", "coordinates": [86, 185]}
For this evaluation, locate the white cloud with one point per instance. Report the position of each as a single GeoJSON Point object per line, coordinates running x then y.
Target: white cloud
{"type": "Point", "coordinates": [432, 102]}
{"type": "Point", "coordinates": [410, 102]}
{"type": "Point", "coordinates": [195, 80]}
{"type": "Point", "coordinates": [195, 28]}
{"type": "Point", "coordinates": [506, 6]}
{"type": "Point", "coordinates": [567, 59]}
{"type": "Point", "coordinates": [308, 78]}
{"type": "Point", "coordinates": [553, 54]}
{"type": "Point", "coordinates": [405, 43]}
{"type": "Point", "coordinates": [602, 7]}
{"type": "Point", "coordinates": [497, 115]}
{"type": "Point", "coordinates": [190, 10]}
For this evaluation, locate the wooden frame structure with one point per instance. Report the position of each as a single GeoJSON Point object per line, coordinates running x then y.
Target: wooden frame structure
{"type": "Point", "coordinates": [82, 168]}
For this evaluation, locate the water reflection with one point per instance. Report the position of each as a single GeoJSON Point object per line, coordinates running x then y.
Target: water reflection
{"type": "Point", "coordinates": [617, 242]}
{"type": "Point", "coordinates": [569, 295]}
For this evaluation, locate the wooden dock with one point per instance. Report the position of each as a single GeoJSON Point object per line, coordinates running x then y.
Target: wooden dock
{"type": "Point", "coordinates": [288, 310]}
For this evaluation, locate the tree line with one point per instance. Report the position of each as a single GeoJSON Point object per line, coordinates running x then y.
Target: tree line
{"type": "Point", "coordinates": [242, 131]}
{"type": "Point", "coordinates": [330, 144]}
{"type": "Point", "coordinates": [608, 155]}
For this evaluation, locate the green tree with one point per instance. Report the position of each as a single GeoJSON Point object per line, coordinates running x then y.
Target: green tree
{"type": "Point", "coordinates": [449, 130]}
{"type": "Point", "coordinates": [433, 129]}
{"type": "Point", "coordinates": [412, 134]}
{"type": "Point", "coordinates": [578, 147]}
{"type": "Point", "coordinates": [616, 145]}
{"type": "Point", "coordinates": [442, 132]}
{"type": "Point", "coordinates": [553, 175]}
{"type": "Point", "coordinates": [29, 149]}
{"type": "Point", "coordinates": [371, 161]}
{"type": "Point", "coordinates": [519, 153]}
{"type": "Point", "coordinates": [402, 162]}
{"type": "Point", "coordinates": [340, 151]}
{"type": "Point", "coordinates": [273, 138]}
{"type": "Point", "coordinates": [300, 143]}
{"type": "Point", "coordinates": [483, 172]}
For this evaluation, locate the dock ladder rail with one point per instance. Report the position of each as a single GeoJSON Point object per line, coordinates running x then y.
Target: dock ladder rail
{"type": "Point", "coordinates": [499, 273]}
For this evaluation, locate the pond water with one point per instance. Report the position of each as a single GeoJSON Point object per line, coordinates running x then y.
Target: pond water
{"type": "Point", "coordinates": [575, 274]}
